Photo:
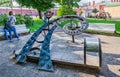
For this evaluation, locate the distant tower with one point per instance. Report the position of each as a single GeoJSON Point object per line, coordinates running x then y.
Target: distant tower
{"type": "Point", "coordinates": [111, 0]}
{"type": "Point", "coordinates": [89, 3]}
{"type": "Point", "coordinates": [93, 3]}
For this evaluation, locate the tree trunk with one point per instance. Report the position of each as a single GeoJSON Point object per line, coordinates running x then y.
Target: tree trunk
{"type": "Point", "coordinates": [21, 9]}
{"type": "Point", "coordinates": [40, 15]}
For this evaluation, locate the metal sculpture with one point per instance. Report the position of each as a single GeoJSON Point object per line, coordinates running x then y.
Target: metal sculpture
{"type": "Point", "coordinates": [25, 50]}
{"type": "Point", "coordinates": [45, 62]}
{"type": "Point", "coordinates": [47, 16]}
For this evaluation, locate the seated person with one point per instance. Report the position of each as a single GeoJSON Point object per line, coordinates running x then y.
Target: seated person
{"type": "Point", "coordinates": [10, 28]}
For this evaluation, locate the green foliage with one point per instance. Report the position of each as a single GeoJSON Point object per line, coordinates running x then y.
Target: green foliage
{"type": "Point", "coordinates": [69, 21]}
{"type": "Point", "coordinates": [95, 10]}
{"type": "Point", "coordinates": [19, 19]}
{"type": "Point", "coordinates": [3, 18]}
{"type": "Point", "coordinates": [26, 19]}
{"type": "Point", "coordinates": [41, 5]}
{"type": "Point", "coordinates": [69, 3]}
{"type": "Point", "coordinates": [4, 2]}
{"type": "Point", "coordinates": [81, 11]}
{"type": "Point", "coordinates": [65, 10]}
{"type": "Point", "coordinates": [37, 24]}
{"type": "Point", "coordinates": [67, 7]}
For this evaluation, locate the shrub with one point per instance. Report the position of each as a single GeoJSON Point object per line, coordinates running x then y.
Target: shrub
{"type": "Point", "coordinates": [65, 10]}
{"type": "Point", "coordinates": [19, 19]}
{"type": "Point", "coordinates": [81, 12]}
{"type": "Point", "coordinates": [28, 20]}
{"type": "Point", "coordinates": [95, 10]}
{"type": "Point", "coordinates": [3, 18]}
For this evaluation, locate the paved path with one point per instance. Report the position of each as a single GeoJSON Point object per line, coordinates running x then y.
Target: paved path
{"type": "Point", "coordinates": [110, 68]}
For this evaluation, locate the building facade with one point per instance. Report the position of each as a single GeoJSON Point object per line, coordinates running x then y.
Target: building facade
{"type": "Point", "coordinates": [22, 11]}
{"type": "Point", "coordinates": [110, 6]}
{"type": "Point", "coordinates": [113, 7]}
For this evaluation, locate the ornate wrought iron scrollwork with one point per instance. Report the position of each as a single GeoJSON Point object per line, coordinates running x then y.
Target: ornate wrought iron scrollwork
{"type": "Point", "coordinates": [75, 26]}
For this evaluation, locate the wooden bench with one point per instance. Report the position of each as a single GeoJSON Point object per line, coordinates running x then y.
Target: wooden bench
{"type": "Point", "coordinates": [21, 30]}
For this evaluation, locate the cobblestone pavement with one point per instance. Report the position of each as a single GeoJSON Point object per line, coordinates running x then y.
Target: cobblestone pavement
{"type": "Point", "coordinates": [110, 66]}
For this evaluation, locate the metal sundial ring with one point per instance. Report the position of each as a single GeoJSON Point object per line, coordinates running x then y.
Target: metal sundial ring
{"type": "Point", "coordinates": [76, 26]}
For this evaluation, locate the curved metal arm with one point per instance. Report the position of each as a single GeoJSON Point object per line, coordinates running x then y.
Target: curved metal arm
{"type": "Point", "coordinates": [25, 50]}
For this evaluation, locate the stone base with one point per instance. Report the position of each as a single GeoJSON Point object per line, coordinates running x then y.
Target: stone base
{"type": "Point", "coordinates": [68, 58]}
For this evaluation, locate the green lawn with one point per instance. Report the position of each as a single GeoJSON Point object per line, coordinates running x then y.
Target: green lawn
{"type": "Point", "coordinates": [39, 22]}
{"type": "Point", "coordinates": [117, 23]}
{"type": "Point", "coordinates": [68, 21]}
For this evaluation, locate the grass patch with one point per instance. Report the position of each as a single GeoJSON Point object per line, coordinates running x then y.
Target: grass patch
{"type": "Point", "coordinates": [69, 21]}
{"type": "Point", "coordinates": [117, 23]}
{"type": "Point", "coordinates": [37, 24]}
{"type": "Point", "coordinates": [1, 24]}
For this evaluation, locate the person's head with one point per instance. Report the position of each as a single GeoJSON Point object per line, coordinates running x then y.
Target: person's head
{"type": "Point", "coordinates": [10, 13]}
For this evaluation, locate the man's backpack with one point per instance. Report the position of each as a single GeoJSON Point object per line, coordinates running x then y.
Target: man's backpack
{"type": "Point", "coordinates": [9, 23]}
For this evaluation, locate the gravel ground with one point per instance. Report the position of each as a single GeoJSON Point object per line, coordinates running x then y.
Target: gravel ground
{"type": "Point", "coordinates": [110, 66]}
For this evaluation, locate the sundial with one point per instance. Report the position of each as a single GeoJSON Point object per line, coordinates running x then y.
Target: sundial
{"type": "Point", "coordinates": [71, 25]}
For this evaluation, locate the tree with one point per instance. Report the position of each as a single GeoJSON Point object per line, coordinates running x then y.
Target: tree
{"type": "Point", "coordinates": [8, 2]}
{"type": "Point", "coordinates": [40, 5]}
{"type": "Point", "coordinates": [81, 12]}
{"type": "Point", "coordinates": [95, 10]}
{"type": "Point", "coordinates": [65, 10]}
{"type": "Point", "coordinates": [69, 3]}
{"type": "Point", "coordinates": [67, 6]}
{"type": "Point", "coordinates": [4, 2]}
